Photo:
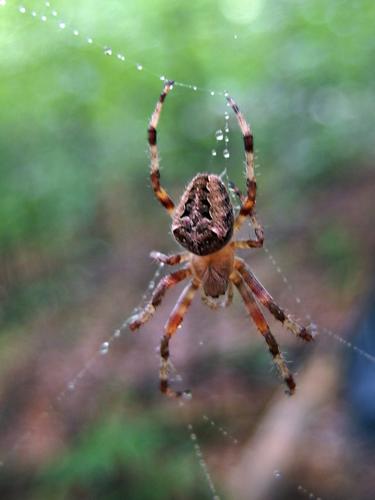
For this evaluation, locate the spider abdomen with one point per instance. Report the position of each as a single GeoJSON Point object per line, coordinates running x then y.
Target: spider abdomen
{"type": "Point", "coordinates": [203, 220]}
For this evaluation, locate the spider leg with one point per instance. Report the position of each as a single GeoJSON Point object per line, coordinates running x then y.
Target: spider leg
{"type": "Point", "coordinates": [171, 260]}
{"type": "Point", "coordinates": [174, 321]}
{"type": "Point", "coordinates": [258, 228]}
{"type": "Point", "coordinates": [248, 244]}
{"type": "Point", "coordinates": [267, 300]}
{"type": "Point", "coordinates": [248, 203]}
{"type": "Point", "coordinates": [264, 329]}
{"type": "Point", "coordinates": [159, 191]}
{"type": "Point", "coordinates": [166, 282]}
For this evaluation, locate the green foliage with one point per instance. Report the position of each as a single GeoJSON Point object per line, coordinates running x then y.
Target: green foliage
{"type": "Point", "coordinates": [337, 249]}
{"type": "Point", "coordinates": [74, 164]}
{"type": "Point", "coordinates": [124, 457]}
{"type": "Point", "coordinates": [73, 120]}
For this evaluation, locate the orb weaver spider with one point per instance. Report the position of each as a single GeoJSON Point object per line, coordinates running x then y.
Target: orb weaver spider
{"type": "Point", "coordinates": [203, 223]}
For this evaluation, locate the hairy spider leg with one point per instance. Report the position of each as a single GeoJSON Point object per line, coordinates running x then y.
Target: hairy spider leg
{"type": "Point", "coordinates": [160, 193]}
{"type": "Point", "coordinates": [248, 203]}
{"type": "Point", "coordinates": [174, 321]}
{"type": "Point", "coordinates": [267, 300]}
{"type": "Point", "coordinates": [264, 329]}
{"type": "Point", "coordinates": [171, 260]}
{"type": "Point", "coordinates": [259, 233]}
{"type": "Point", "coordinates": [166, 282]}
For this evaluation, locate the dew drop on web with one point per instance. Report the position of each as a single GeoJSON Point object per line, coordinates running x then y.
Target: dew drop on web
{"type": "Point", "coordinates": [219, 135]}
{"type": "Point", "coordinates": [104, 348]}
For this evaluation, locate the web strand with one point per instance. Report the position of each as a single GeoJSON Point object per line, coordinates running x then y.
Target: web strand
{"type": "Point", "coordinates": [59, 21]}
{"type": "Point", "coordinates": [53, 17]}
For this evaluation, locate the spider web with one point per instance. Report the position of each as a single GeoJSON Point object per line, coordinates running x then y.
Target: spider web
{"type": "Point", "coordinates": [90, 375]}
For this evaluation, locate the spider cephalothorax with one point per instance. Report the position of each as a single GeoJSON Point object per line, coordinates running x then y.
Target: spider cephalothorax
{"type": "Point", "coordinates": [203, 223]}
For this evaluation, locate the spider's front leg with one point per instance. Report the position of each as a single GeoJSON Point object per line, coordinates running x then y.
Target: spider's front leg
{"type": "Point", "coordinates": [267, 300]}
{"type": "Point", "coordinates": [160, 193]}
{"type": "Point", "coordinates": [166, 282]}
{"type": "Point", "coordinates": [258, 228]}
{"type": "Point", "coordinates": [247, 203]}
{"type": "Point", "coordinates": [264, 329]}
{"type": "Point", "coordinates": [174, 321]}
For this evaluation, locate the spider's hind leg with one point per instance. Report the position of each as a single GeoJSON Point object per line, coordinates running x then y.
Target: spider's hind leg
{"type": "Point", "coordinates": [264, 329]}
{"type": "Point", "coordinates": [267, 300]}
{"type": "Point", "coordinates": [174, 321]}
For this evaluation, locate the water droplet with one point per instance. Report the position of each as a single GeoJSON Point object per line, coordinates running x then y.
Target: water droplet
{"type": "Point", "coordinates": [226, 153]}
{"type": "Point", "coordinates": [201, 342]}
{"type": "Point", "coordinates": [213, 152]}
{"type": "Point", "coordinates": [195, 87]}
{"type": "Point", "coordinates": [226, 130]}
{"type": "Point", "coordinates": [108, 51]}
{"type": "Point", "coordinates": [33, 13]}
{"type": "Point", "coordinates": [298, 300]}
{"type": "Point", "coordinates": [117, 333]}
{"type": "Point", "coordinates": [219, 135]}
{"type": "Point", "coordinates": [75, 32]}
{"type": "Point", "coordinates": [187, 395]}
{"type": "Point", "coordinates": [226, 139]}
{"type": "Point", "coordinates": [226, 114]}
{"type": "Point", "coordinates": [193, 436]}
{"type": "Point", "coordinates": [121, 57]}
{"type": "Point", "coordinates": [89, 40]}
{"type": "Point", "coordinates": [2, 3]}
{"type": "Point", "coordinates": [190, 427]}
{"type": "Point", "coordinates": [162, 78]}
{"type": "Point", "coordinates": [139, 67]}
{"type": "Point", "coordinates": [48, 4]}
{"type": "Point", "coordinates": [62, 25]}
{"type": "Point", "coordinates": [71, 386]}
{"type": "Point", "coordinates": [212, 92]}
{"type": "Point", "coordinates": [43, 18]}
{"type": "Point", "coordinates": [22, 9]}
{"type": "Point", "coordinates": [226, 94]}
{"type": "Point", "coordinates": [104, 348]}
{"type": "Point", "coordinates": [235, 37]}
{"type": "Point", "coordinates": [276, 474]}
{"type": "Point", "coordinates": [54, 13]}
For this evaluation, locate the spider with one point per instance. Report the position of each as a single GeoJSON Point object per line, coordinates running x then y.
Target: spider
{"type": "Point", "coordinates": [203, 223]}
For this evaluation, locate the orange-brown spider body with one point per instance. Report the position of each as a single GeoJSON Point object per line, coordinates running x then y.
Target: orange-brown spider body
{"type": "Point", "coordinates": [214, 270]}
{"type": "Point", "coordinates": [204, 224]}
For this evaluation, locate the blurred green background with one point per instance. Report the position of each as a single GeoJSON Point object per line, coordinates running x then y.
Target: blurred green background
{"type": "Point", "coordinates": [78, 220]}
